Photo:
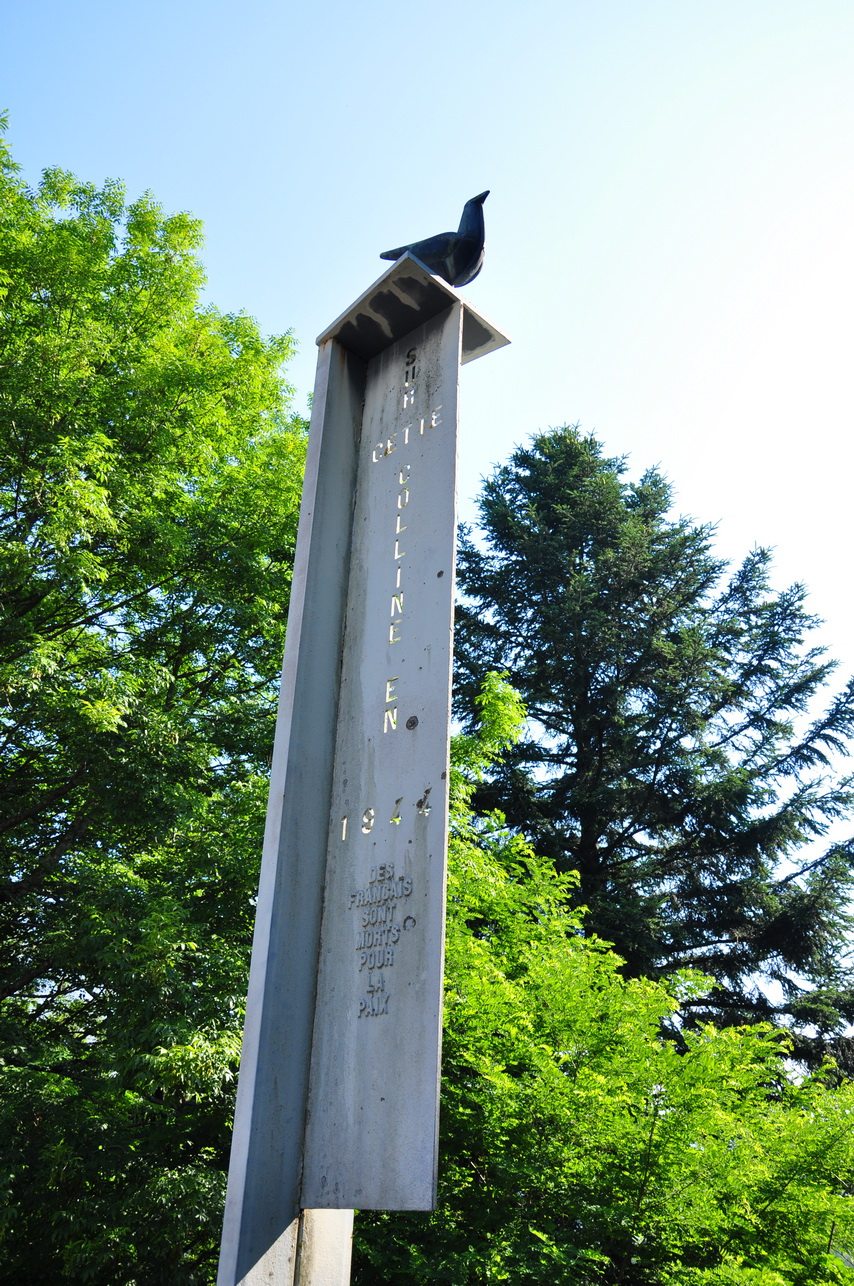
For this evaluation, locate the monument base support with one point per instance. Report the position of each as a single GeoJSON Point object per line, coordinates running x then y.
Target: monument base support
{"type": "Point", "coordinates": [314, 1250]}
{"type": "Point", "coordinates": [324, 1248]}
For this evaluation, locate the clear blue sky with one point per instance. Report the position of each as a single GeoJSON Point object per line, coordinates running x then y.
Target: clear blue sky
{"type": "Point", "coordinates": [669, 231]}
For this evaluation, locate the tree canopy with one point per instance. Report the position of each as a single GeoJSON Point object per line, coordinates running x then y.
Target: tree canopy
{"type": "Point", "coordinates": [149, 485]}
{"type": "Point", "coordinates": [673, 757]}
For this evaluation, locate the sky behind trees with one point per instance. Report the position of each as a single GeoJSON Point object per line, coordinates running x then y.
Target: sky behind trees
{"type": "Point", "coordinates": [669, 237]}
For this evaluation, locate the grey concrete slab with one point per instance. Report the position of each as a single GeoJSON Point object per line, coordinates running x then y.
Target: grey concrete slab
{"type": "Point", "coordinates": [263, 1204]}
{"type": "Point", "coordinates": [373, 1098]}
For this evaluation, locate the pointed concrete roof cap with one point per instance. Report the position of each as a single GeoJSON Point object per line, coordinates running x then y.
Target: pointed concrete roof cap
{"type": "Point", "coordinates": [406, 296]}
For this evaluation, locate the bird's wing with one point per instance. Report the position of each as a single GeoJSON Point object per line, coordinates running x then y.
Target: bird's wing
{"type": "Point", "coordinates": [438, 247]}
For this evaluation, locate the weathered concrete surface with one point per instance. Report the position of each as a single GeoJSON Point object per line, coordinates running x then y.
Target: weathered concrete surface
{"type": "Point", "coordinates": [373, 1098]}
{"type": "Point", "coordinates": [266, 1155]}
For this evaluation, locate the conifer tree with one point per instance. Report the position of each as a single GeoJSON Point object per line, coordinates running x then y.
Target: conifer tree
{"type": "Point", "coordinates": [673, 754]}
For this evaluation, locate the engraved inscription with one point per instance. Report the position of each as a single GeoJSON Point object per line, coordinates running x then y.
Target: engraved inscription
{"type": "Point", "coordinates": [369, 815]}
{"type": "Point", "coordinates": [373, 1006]}
{"type": "Point", "coordinates": [378, 932]}
{"type": "Point", "coordinates": [379, 452]}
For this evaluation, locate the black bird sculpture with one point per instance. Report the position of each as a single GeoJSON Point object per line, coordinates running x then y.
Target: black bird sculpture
{"type": "Point", "coordinates": [456, 256]}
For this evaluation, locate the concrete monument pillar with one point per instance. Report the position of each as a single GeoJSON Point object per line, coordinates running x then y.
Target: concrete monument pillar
{"type": "Point", "coordinates": [337, 1101]}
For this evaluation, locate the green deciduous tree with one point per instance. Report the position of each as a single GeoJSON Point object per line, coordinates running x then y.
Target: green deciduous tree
{"type": "Point", "coordinates": [149, 488]}
{"type": "Point", "coordinates": [577, 1143]}
{"type": "Point", "coordinates": [673, 755]}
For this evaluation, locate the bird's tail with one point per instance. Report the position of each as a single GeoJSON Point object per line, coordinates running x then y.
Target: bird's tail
{"type": "Point", "coordinates": [394, 254]}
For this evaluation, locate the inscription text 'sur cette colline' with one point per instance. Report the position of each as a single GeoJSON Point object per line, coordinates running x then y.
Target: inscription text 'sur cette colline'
{"type": "Point", "coordinates": [378, 926]}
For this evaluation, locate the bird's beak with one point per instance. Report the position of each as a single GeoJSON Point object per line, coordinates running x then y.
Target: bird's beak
{"type": "Point", "coordinates": [482, 197]}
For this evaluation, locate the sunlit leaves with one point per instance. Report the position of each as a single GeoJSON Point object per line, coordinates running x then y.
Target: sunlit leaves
{"type": "Point", "coordinates": [579, 1143]}
{"type": "Point", "coordinates": [149, 485]}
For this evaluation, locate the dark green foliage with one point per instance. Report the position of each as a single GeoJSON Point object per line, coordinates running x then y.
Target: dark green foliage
{"type": "Point", "coordinates": [149, 487]}
{"type": "Point", "coordinates": [672, 756]}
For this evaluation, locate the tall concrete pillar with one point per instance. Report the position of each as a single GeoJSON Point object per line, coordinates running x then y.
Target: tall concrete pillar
{"type": "Point", "coordinates": [337, 1101]}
